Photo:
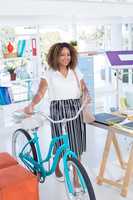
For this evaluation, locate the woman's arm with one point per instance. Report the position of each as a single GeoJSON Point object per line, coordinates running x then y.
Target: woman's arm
{"type": "Point", "coordinates": [83, 86]}
{"type": "Point", "coordinates": [37, 98]}
{"type": "Point", "coordinates": [85, 90]}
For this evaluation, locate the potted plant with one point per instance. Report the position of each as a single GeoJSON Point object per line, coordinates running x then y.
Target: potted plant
{"type": "Point", "coordinates": [11, 67]}
{"type": "Point", "coordinates": [12, 73]}
{"type": "Point", "coordinates": [74, 43]}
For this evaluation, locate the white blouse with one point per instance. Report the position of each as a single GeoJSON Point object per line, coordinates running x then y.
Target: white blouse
{"type": "Point", "coordinates": [60, 87]}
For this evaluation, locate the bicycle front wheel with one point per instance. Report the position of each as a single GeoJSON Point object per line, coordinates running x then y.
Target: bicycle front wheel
{"type": "Point", "coordinates": [79, 181]}
{"type": "Point", "coordinates": [19, 139]}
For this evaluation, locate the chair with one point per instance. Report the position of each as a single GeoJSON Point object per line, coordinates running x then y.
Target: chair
{"type": "Point", "coordinates": [16, 182]}
{"type": "Point", "coordinates": [6, 160]}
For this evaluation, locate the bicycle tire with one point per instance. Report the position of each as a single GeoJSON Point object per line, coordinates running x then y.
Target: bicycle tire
{"type": "Point", "coordinates": [87, 194]}
{"type": "Point", "coordinates": [26, 138]}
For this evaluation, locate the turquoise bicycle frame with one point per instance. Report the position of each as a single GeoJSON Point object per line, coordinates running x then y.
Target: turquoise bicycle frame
{"type": "Point", "coordinates": [38, 165]}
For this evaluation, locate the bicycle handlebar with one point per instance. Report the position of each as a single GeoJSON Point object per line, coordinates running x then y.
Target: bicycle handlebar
{"type": "Point", "coordinates": [21, 116]}
{"type": "Point", "coordinates": [64, 120]}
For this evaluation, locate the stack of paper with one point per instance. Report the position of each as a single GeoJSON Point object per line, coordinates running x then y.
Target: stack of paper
{"type": "Point", "coordinates": [128, 113]}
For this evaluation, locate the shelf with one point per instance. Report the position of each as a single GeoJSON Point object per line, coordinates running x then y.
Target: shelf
{"type": "Point", "coordinates": [9, 83]}
{"type": "Point", "coordinates": [11, 59]}
{"type": "Point", "coordinates": [19, 90]}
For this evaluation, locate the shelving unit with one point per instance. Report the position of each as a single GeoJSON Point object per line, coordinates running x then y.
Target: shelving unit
{"type": "Point", "coordinates": [22, 86]}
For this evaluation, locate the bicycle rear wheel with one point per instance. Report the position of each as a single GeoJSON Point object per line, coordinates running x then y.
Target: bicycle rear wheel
{"type": "Point", "coordinates": [19, 139]}
{"type": "Point", "coordinates": [84, 191]}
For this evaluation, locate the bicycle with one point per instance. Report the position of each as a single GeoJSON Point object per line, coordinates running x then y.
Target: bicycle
{"type": "Point", "coordinates": [30, 155]}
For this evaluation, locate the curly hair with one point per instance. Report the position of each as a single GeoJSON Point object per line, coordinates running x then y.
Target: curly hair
{"type": "Point", "coordinates": [55, 51]}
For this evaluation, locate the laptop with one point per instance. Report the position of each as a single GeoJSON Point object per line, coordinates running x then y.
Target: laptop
{"type": "Point", "coordinates": [108, 118]}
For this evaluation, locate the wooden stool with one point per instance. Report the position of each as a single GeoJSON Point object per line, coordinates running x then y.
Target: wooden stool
{"type": "Point", "coordinates": [6, 160]}
{"type": "Point", "coordinates": [18, 183]}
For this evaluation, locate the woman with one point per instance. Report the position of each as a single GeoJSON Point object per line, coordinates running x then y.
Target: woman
{"type": "Point", "coordinates": [64, 94]}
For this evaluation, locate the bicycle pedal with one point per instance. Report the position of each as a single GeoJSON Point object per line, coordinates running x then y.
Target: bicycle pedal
{"type": "Point", "coordinates": [40, 178]}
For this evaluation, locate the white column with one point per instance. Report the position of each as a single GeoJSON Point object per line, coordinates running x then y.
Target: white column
{"type": "Point", "coordinates": [74, 29]}
{"type": "Point", "coordinates": [106, 37]}
{"type": "Point", "coordinates": [116, 37]}
{"type": "Point", "coordinates": [129, 36]}
{"type": "Point", "coordinates": [130, 40]}
{"type": "Point", "coordinates": [116, 45]}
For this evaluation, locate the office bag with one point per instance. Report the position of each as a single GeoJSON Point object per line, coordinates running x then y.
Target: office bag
{"type": "Point", "coordinates": [88, 117]}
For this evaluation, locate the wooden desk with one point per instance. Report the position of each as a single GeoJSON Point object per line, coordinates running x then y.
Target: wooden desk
{"type": "Point", "coordinates": [128, 167]}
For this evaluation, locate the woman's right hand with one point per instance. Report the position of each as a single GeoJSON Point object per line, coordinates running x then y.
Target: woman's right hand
{"type": "Point", "coordinates": [29, 109]}
{"type": "Point", "coordinates": [37, 98]}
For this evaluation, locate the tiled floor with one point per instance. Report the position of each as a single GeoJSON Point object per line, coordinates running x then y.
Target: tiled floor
{"type": "Point", "coordinates": [52, 189]}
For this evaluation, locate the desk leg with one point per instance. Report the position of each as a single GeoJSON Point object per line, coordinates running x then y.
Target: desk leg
{"type": "Point", "coordinates": [105, 157]}
{"type": "Point", "coordinates": [128, 174]}
{"type": "Point", "coordinates": [118, 152]}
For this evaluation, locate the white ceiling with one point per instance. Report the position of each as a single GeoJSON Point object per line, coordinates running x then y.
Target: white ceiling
{"type": "Point", "coordinates": [91, 1]}
{"type": "Point", "coordinates": [65, 11]}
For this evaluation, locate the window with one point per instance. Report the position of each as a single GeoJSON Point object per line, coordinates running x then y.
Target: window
{"type": "Point", "coordinates": [52, 34]}
{"type": "Point", "coordinates": [90, 37]}
{"type": "Point", "coordinates": [127, 34]}
{"type": "Point", "coordinates": [125, 76]}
